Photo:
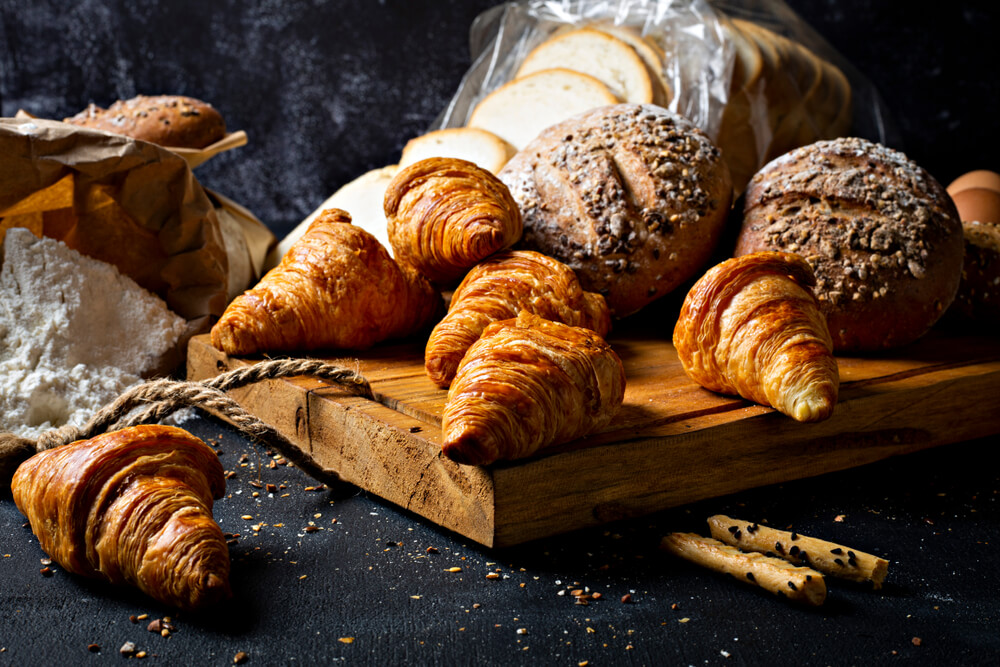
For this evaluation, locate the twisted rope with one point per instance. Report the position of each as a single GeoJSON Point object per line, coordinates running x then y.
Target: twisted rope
{"type": "Point", "coordinates": [160, 398]}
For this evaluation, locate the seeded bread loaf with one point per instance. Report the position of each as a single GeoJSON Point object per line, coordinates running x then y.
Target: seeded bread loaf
{"type": "Point", "coordinates": [167, 120]}
{"type": "Point", "coordinates": [631, 197]}
{"type": "Point", "coordinates": [978, 297]}
{"type": "Point", "coordinates": [882, 236]}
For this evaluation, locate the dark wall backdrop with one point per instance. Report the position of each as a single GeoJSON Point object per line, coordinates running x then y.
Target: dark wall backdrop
{"type": "Point", "coordinates": [327, 89]}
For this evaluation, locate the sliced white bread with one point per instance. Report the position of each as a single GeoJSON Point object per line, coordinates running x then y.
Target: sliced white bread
{"type": "Point", "coordinates": [362, 198]}
{"type": "Point", "coordinates": [652, 57]}
{"type": "Point", "coordinates": [474, 144]}
{"type": "Point", "coordinates": [520, 109]}
{"type": "Point", "coordinates": [602, 56]}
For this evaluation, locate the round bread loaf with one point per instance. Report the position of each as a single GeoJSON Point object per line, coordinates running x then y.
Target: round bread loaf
{"type": "Point", "coordinates": [631, 197]}
{"type": "Point", "coordinates": [882, 236]}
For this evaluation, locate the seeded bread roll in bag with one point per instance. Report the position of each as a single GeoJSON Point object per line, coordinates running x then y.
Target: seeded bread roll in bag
{"type": "Point", "coordinates": [498, 289]}
{"type": "Point", "coordinates": [336, 288]}
{"type": "Point", "coordinates": [750, 326]}
{"type": "Point", "coordinates": [173, 121]}
{"type": "Point", "coordinates": [527, 384]}
{"type": "Point", "coordinates": [445, 215]}
{"type": "Point", "coordinates": [132, 507]}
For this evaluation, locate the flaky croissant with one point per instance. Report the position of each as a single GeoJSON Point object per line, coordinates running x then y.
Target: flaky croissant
{"type": "Point", "coordinates": [132, 507]}
{"type": "Point", "coordinates": [497, 289]}
{"type": "Point", "coordinates": [527, 384]}
{"type": "Point", "coordinates": [751, 326]}
{"type": "Point", "coordinates": [445, 215]}
{"type": "Point", "coordinates": [336, 288]}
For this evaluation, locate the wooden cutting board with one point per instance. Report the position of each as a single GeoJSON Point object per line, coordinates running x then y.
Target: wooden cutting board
{"type": "Point", "coordinates": [672, 442]}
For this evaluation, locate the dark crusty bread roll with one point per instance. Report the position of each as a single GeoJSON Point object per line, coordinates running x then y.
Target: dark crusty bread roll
{"type": "Point", "coordinates": [631, 197]}
{"type": "Point", "coordinates": [978, 296]}
{"type": "Point", "coordinates": [168, 120]}
{"type": "Point", "coordinates": [882, 236]}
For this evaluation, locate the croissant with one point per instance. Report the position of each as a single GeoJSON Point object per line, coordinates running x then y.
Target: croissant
{"type": "Point", "coordinates": [132, 506]}
{"type": "Point", "coordinates": [751, 326]}
{"type": "Point", "coordinates": [445, 215]}
{"type": "Point", "coordinates": [527, 384]}
{"type": "Point", "coordinates": [336, 287]}
{"type": "Point", "coordinates": [497, 289]}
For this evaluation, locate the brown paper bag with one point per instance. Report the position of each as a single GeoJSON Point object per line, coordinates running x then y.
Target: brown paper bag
{"type": "Point", "coordinates": [132, 204]}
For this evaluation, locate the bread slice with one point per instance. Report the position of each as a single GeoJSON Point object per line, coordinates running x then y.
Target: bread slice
{"type": "Point", "coordinates": [520, 109]}
{"type": "Point", "coordinates": [652, 57]}
{"type": "Point", "coordinates": [608, 59]}
{"type": "Point", "coordinates": [362, 198]}
{"type": "Point", "coordinates": [474, 144]}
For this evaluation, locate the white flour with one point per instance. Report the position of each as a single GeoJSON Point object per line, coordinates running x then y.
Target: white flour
{"type": "Point", "coordinates": [74, 333]}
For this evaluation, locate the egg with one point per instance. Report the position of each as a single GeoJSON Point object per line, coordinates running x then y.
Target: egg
{"type": "Point", "coordinates": [979, 204]}
{"type": "Point", "coordinates": [981, 178]}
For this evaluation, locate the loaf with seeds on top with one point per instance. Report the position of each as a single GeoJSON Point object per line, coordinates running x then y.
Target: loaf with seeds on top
{"type": "Point", "coordinates": [631, 197]}
{"type": "Point", "coordinates": [173, 121]}
{"type": "Point", "coordinates": [881, 234]}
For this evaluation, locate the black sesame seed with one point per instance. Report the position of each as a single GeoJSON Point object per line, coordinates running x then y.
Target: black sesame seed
{"type": "Point", "coordinates": [851, 555]}
{"type": "Point", "coordinates": [738, 535]}
{"type": "Point", "coordinates": [792, 586]}
{"type": "Point", "coordinates": [837, 551]}
{"type": "Point", "coordinates": [838, 562]}
{"type": "Point", "coordinates": [795, 536]}
{"type": "Point", "coordinates": [852, 562]}
{"type": "Point", "coordinates": [779, 548]}
{"type": "Point", "coordinates": [794, 551]}
{"type": "Point", "coordinates": [750, 576]}
{"type": "Point", "coordinates": [809, 577]}
{"type": "Point", "coordinates": [733, 529]}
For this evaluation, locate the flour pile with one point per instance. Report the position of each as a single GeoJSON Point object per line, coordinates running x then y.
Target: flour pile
{"type": "Point", "coordinates": [74, 334]}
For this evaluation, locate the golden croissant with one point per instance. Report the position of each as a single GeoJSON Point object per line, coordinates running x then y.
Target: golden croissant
{"type": "Point", "coordinates": [335, 288]}
{"type": "Point", "coordinates": [132, 507]}
{"type": "Point", "coordinates": [527, 384]}
{"type": "Point", "coordinates": [497, 289]}
{"type": "Point", "coordinates": [751, 326]}
{"type": "Point", "coordinates": [445, 215]}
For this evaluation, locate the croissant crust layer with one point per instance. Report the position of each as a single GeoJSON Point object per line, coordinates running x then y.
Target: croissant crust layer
{"type": "Point", "coordinates": [498, 289]}
{"type": "Point", "coordinates": [528, 384]}
{"type": "Point", "coordinates": [751, 326]}
{"type": "Point", "coordinates": [335, 288]}
{"type": "Point", "coordinates": [445, 215]}
{"type": "Point", "coordinates": [132, 507]}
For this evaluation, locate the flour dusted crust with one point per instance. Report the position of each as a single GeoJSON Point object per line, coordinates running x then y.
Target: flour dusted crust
{"type": "Point", "coordinates": [631, 197]}
{"type": "Point", "coordinates": [827, 557]}
{"type": "Point", "coordinates": [167, 120]}
{"type": "Point", "coordinates": [797, 583]}
{"type": "Point", "coordinates": [881, 235]}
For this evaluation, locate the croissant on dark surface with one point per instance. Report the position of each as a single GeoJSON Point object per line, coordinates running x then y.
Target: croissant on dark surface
{"type": "Point", "coordinates": [498, 289]}
{"type": "Point", "coordinates": [335, 288]}
{"type": "Point", "coordinates": [526, 384]}
{"type": "Point", "coordinates": [751, 326]}
{"type": "Point", "coordinates": [132, 507]}
{"type": "Point", "coordinates": [445, 215]}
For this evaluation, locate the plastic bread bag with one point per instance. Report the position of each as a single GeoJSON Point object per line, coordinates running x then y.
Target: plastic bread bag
{"type": "Point", "coordinates": [750, 73]}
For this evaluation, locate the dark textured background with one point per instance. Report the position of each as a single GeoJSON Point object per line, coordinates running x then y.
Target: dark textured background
{"type": "Point", "coordinates": [328, 90]}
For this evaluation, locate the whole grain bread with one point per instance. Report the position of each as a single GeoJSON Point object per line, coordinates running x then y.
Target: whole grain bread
{"type": "Point", "coordinates": [167, 120]}
{"type": "Point", "coordinates": [632, 197]}
{"type": "Point", "coordinates": [881, 234]}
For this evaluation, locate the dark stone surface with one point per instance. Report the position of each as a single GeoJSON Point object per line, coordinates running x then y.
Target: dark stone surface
{"type": "Point", "coordinates": [327, 90]}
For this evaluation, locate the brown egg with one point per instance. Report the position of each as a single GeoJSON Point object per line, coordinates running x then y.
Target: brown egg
{"type": "Point", "coordinates": [979, 204]}
{"type": "Point", "coordinates": [981, 178]}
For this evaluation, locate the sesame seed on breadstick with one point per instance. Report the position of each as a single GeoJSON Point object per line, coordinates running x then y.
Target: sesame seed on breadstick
{"type": "Point", "coordinates": [828, 557]}
{"type": "Point", "coordinates": [799, 584]}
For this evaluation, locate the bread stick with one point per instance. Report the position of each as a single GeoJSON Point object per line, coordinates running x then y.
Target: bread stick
{"type": "Point", "coordinates": [828, 557]}
{"type": "Point", "coordinates": [797, 583]}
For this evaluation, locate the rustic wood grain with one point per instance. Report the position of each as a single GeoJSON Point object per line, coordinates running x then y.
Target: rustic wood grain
{"type": "Point", "coordinates": [672, 443]}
